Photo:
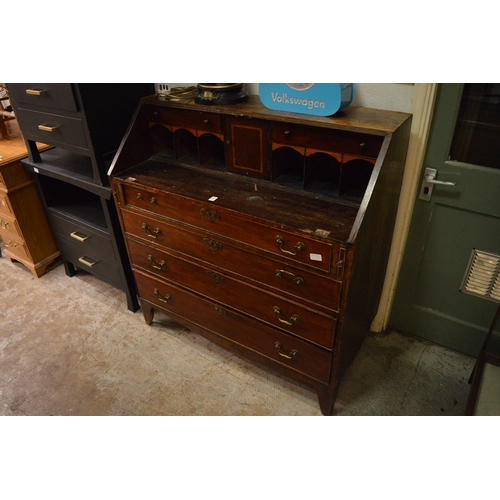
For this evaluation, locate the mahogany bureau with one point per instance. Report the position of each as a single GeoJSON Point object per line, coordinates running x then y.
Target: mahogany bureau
{"type": "Point", "coordinates": [267, 232]}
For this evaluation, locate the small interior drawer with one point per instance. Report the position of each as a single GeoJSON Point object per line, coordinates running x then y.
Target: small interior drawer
{"type": "Point", "coordinates": [52, 129]}
{"type": "Point", "coordinates": [326, 140]}
{"type": "Point", "coordinates": [57, 96]}
{"type": "Point", "coordinates": [208, 122]}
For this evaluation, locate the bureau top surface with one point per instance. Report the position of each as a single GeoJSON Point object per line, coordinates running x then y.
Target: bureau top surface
{"type": "Point", "coordinates": [353, 118]}
{"type": "Point", "coordinates": [255, 199]}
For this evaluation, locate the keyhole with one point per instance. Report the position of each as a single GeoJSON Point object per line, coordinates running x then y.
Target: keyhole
{"type": "Point", "coordinates": [426, 190]}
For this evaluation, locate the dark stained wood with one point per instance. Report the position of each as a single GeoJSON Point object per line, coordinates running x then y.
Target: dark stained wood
{"type": "Point", "coordinates": [281, 260]}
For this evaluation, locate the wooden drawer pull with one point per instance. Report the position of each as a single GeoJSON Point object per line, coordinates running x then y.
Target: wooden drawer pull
{"type": "Point", "coordinates": [211, 215]}
{"type": "Point", "coordinates": [162, 298]}
{"type": "Point", "coordinates": [152, 234]}
{"type": "Point", "coordinates": [296, 279]}
{"type": "Point", "coordinates": [79, 236]}
{"type": "Point", "coordinates": [299, 247]}
{"type": "Point", "coordinates": [294, 319]}
{"type": "Point", "coordinates": [47, 128]}
{"type": "Point", "coordinates": [160, 265]}
{"type": "Point", "coordinates": [88, 262]}
{"type": "Point", "coordinates": [292, 354]}
{"type": "Point", "coordinates": [213, 245]}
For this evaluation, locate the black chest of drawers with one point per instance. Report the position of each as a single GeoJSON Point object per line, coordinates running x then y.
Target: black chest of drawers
{"type": "Point", "coordinates": [85, 124]}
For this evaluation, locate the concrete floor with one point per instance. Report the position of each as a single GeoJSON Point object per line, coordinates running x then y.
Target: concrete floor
{"type": "Point", "coordinates": [69, 346]}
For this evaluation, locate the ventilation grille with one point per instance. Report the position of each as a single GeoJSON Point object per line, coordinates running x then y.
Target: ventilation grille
{"type": "Point", "coordinates": [482, 277]}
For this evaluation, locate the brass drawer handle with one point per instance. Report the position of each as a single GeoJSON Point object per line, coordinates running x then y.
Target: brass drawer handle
{"type": "Point", "coordinates": [47, 128]}
{"type": "Point", "coordinates": [213, 245]}
{"type": "Point", "coordinates": [297, 280]}
{"type": "Point", "coordinates": [11, 245]}
{"type": "Point", "coordinates": [152, 234]}
{"type": "Point", "coordinates": [162, 298]}
{"type": "Point", "coordinates": [292, 354]}
{"type": "Point", "coordinates": [299, 247]}
{"type": "Point", "coordinates": [211, 215]}
{"type": "Point", "coordinates": [294, 319]}
{"type": "Point", "coordinates": [35, 91]}
{"type": "Point", "coordinates": [216, 278]}
{"type": "Point", "coordinates": [4, 224]}
{"type": "Point", "coordinates": [79, 236]}
{"type": "Point", "coordinates": [160, 265]}
{"type": "Point", "coordinates": [88, 262]}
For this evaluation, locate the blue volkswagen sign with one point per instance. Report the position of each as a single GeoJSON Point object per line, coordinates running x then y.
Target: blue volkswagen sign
{"type": "Point", "coordinates": [320, 99]}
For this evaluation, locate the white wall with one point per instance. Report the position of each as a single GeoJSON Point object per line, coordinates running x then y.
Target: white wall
{"type": "Point", "coordinates": [391, 96]}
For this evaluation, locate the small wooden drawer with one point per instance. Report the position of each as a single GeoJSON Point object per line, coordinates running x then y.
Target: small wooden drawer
{"type": "Point", "coordinates": [16, 249]}
{"type": "Point", "coordinates": [267, 307]}
{"type": "Point", "coordinates": [274, 344]}
{"type": "Point", "coordinates": [52, 129]}
{"type": "Point", "coordinates": [9, 228]}
{"type": "Point", "coordinates": [208, 122]}
{"type": "Point", "coordinates": [56, 96]}
{"type": "Point", "coordinates": [5, 207]}
{"type": "Point", "coordinates": [326, 139]}
{"type": "Point", "coordinates": [297, 284]}
{"type": "Point", "coordinates": [88, 238]}
{"type": "Point", "coordinates": [280, 242]}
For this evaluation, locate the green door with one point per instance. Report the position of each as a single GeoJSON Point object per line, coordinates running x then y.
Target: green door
{"type": "Point", "coordinates": [452, 219]}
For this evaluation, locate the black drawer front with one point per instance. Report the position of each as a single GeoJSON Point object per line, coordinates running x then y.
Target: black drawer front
{"type": "Point", "coordinates": [56, 130]}
{"type": "Point", "coordinates": [56, 96]}
{"type": "Point", "coordinates": [88, 239]}
{"type": "Point", "coordinates": [85, 258]}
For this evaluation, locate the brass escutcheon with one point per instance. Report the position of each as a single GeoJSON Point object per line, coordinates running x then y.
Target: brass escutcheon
{"type": "Point", "coordinates": [213, 245]}
{"type": "Point", "coordinates": [216, 278]}
{"type": "Point", "coordinates": [211, 215]}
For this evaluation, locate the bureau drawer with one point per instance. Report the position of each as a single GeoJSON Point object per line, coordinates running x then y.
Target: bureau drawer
{"type": "Point", "coordinates": [208, 122]}
{"type": "Point", "coordinates": [326, 139]}
{"type": "Point", "coordinates": [9, 228]}
{"type": "Point", "coordinates": [56, 130]}
{"type": "Point", "coordinates": [264, 306]}
{"type": "Point", "coordinates": [88, 239]}
{"type": "Point", "coordinates": [294, 353]}
{"type": "Point", "coordinates": [225, 254]}
{"type": "Point", "coordinates": [282, 243]}
{"type": "Point", "coordinates": [57, 96]}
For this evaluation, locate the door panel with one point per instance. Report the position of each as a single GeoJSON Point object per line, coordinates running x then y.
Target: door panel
{"type": "Point", "coordinates": [428, 302]}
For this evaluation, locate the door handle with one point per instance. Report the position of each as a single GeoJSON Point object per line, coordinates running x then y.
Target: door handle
{"type": "Point", "coordinates": [428, 183]}
{"type": "Point", "coordinates": [430, 178]}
